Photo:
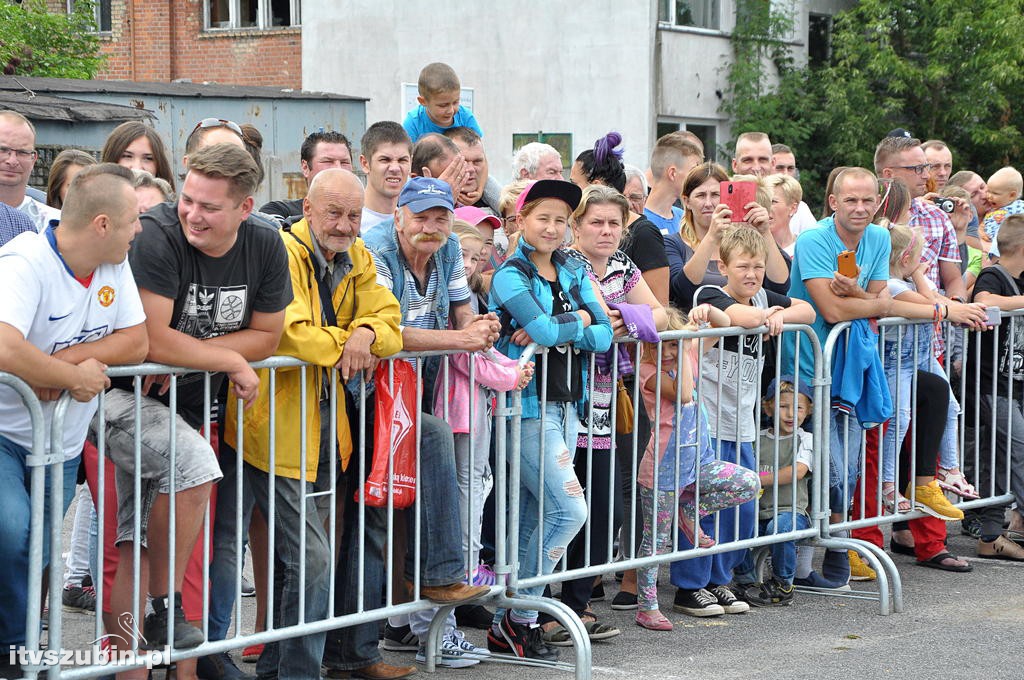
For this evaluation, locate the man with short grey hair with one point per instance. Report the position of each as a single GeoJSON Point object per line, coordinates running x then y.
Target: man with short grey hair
{"type": "Point", "coordinates": [537, 160]}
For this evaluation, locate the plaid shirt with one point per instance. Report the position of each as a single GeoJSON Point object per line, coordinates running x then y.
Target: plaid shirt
{"type": "Point", "coordinates": [13, 222]}
{"type": "Point", "coordinates": [939, 237]}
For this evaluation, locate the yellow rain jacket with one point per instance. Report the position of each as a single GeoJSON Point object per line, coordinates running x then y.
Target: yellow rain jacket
{"type": "Point", "coordinates": [358, 301]}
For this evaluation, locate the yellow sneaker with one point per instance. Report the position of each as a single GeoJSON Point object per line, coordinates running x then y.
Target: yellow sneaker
{"type": "Point", "coordinates": [859, 570]}
{"type": "Point", "coordinates": [930, 500]}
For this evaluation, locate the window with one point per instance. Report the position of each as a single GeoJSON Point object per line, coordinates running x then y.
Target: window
{"type": "Point", "coordinates": [707, 133]}
{"type": "Point", "coordinates": [561, 141]}
{"type": "Point", "coordinates": [259, 14]}
{"type": "Point", "coordinates": [102, 14]}
{"type": "Point", "coordinates": [819, 39]}
{"type": "Point", "coordinates": [699, 13]}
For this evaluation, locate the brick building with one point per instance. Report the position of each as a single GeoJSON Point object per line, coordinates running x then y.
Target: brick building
{"type": "Point", "coordinates": [237, 42]}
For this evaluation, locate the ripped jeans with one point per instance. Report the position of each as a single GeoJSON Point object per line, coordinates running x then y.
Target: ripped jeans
{"type": "Point", "coordinates": [565, 508]}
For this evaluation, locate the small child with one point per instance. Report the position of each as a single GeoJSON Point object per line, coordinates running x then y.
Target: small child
{"type": "Point", "coordinates": [732, 368]}
{"type": "Point", "coordinates": [785, 512]}
{"type": "Point", "coordinates": [1004, 198]}
{"type": "Point", "coordinates": [908, 283]}
{"type": "Point", "coordinates": [439, 110]}
{"type": "Point", "coordinates": [684, 453]}
{"type": "Point", "coordinates": [463, 401]}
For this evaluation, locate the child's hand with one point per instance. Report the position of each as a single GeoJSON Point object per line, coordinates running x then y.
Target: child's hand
{"type": "Point", "coordinates": [525, 376]}
{"type": "Point", "coordinates": [773, 319]}
{"type": "Point", "coordinates": [701, 314]}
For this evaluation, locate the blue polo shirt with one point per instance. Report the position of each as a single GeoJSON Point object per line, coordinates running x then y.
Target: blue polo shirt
{"type": "Point", "coordinates": [417, 123]}
{"type": "Point", "coordinates": [815, 258]}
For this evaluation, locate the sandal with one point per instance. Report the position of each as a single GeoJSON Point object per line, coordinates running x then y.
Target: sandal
{"type": "Point", "coordinates": [939, 562]}
{"type": "Point", "coordinates": [893, 500]}
{"type": "Point", "coordinates": [686, 525]}
{"type": "Point", "coordinates": [600, 631]}
{"type": "Point", "coordinates": [557, 636]}
{"type": "Point", "coordinates": [953, 480]}
{"type": "Point", "coordinates": [646, 619]}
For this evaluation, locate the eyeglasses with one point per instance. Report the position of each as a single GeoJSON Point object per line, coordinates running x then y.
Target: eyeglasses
{"type": "Point", "coordinates": [207, 123]}
{"type": "Point", "coordinates": [918, 169]}
{"type": "Point", "coordinates": [21, 154]}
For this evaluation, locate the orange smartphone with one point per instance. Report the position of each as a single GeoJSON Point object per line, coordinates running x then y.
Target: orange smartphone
{"type": "Point", "coordinates": [736, 195]}
{"type": "Point", "coordinates": [846, 264]}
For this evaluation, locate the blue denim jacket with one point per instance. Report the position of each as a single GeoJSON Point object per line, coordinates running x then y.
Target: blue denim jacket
{"type": "Point", "coordinates": [522, 299]}
{"type": "Point", "coordinates": [382, 240]}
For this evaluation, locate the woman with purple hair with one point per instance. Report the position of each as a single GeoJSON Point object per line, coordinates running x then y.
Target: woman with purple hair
{"type": "Point", "coordinates": [644, 245]}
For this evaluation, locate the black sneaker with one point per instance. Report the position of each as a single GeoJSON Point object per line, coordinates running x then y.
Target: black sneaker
{"type": "Point", "coordinates": [971, 526]}
{"type": "Point", "coordinates": [754, 594]}
{"type": "Point", "coordinates": [624, 601]}
{"type": "Point", "coordinates": [399, 639]}
{"type": "Point", "coordinates": [699, 603]}
{"type": "Point", "coordinates": [517, 639]}
{"type": "Point", "coordinates": [154, 628]}
{"type": "Point", "coordinates": [781, 593]}
{"type": "Point", "coordinates": [728, 600]}
{"type": "Point", "coordinates": [597, 593]}
{"type": "Point", "coordinates": [473, 616]}
{"type": "Point", "coordinates": [79, 598]}
{"type": "Point", "coordinates": [220, 667]}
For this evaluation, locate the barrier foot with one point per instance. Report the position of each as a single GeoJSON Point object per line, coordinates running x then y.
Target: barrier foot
{"type": "Point", "coordinates": [565, 616]}
{"type": "Point", "coordinates": [883, 565]}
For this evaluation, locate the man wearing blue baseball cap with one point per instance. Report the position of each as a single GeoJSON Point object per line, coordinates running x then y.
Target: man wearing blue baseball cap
{"type": "Point", "coordinates": [420, 261]}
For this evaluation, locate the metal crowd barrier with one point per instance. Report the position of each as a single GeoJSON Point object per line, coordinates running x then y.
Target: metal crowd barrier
{"type": "Point", "coordinates": [392, 604]}
{"type": "Point", "coordinates": [869, 493]}
{"type": "Point", "coordinates": [507, 425]}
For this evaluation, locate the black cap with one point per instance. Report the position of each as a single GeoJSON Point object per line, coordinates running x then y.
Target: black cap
{"type": "Point", "coordinates": [550, 188]}
{"type": "Point", "coordinates": [900, 132]}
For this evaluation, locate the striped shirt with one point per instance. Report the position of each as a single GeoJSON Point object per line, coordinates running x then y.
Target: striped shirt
{"type": "Point", "coordinates": [422, 309]}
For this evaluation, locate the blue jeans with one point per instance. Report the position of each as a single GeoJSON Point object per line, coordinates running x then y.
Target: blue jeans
{"type": "Point", "coordinates": [565, 507]}
{"type": "Point", "coordinates": [783, 554]}
{"type": "Point", "coordinates": [15, 523]}
{"type": "Point", "coordinates": [299, 657]}
{"type": "Point", "coordinates": [900, 384]}
{"type": "Point", "coordinates": [844, 430]}
{"type": "Point", "coordinates": [742, 454]}
{"type": "Point", "coordinates": [224, 559]}
{"type": "Point", "coordinates": [440, 549]}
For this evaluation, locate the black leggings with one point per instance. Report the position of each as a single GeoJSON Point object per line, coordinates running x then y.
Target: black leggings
{"type": "Point", "coordinates": [932, 407]}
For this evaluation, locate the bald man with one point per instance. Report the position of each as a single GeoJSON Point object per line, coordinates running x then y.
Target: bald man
{"type": "Point", "coordinates": [1002, 198]}
{"type": "Point", "coordinates": [327, 261]}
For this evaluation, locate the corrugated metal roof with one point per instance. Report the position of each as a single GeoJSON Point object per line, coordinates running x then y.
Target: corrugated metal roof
{"type": "Point", "coordinates": [67, 85]}
{"type": "Point", "coordinates": [47, 107]}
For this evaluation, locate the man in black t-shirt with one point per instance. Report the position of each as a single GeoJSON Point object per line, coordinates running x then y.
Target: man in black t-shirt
{"type": "Point", "coordinates": [320, 151]}
{"type": "Point", "coordinates": [214, 287]}
{"type": "Point", "coordinates": [1001, 410]}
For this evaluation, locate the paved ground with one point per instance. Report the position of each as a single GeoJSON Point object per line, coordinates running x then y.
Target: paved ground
{"type": "Point", "coordinates": [955, 625]}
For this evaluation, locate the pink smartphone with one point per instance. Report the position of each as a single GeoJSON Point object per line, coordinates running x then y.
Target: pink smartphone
{"type": "Point", "coordinates": [736, 195]}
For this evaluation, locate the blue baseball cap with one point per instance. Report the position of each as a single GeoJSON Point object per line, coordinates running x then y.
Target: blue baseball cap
{"type": "Point", "coordinates": [422, 193]}
{"type": "Point", "coordinates": [803, 388]}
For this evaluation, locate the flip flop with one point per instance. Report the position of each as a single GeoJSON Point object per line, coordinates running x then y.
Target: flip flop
{"type": "Point", "coordinates": [901, 548]}
{"type": "Point", "coordinates": [938, 562]}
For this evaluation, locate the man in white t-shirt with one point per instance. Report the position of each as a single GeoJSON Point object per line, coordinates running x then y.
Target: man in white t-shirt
{"type": "Point", "coordinates": [17, 158]}
{"type": "Point", "coordinates": [70, 307]}
{"type": "Point", "coordinates": [784, 163]}
{"type": "Point", "coordinates": [386, 159]}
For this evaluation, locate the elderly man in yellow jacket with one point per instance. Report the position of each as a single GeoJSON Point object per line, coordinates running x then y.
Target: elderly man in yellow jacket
{"type": "Point", "coordinates": [359, 325]}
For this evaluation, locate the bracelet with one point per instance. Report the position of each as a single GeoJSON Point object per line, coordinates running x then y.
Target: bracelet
{"type": "Point", "coordinates": [959, 298]}
{"type": "Point", "coordinates": [947, 312]}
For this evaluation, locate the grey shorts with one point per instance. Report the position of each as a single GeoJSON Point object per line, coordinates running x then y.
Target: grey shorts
{"type": "Point", "coordinates": [195, 462]}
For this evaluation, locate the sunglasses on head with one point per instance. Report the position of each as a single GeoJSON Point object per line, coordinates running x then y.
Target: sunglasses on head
{"type": "Point", "coordinates": [207, 123]}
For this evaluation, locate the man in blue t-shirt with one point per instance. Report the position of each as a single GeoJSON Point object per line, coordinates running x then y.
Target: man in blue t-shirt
{"type": "Point", "coordinates": [838, 298]}
{"type": "Point", "coordinates": [671, 161]}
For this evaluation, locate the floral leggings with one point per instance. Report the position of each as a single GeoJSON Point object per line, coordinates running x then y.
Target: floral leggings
{"type": "Point", "coordinates": [722, 485]}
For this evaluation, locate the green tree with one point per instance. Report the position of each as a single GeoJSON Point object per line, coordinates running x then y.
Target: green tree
{"type": "Point", "coordinates": [940, 68]}
{"type": "Point", "coordinates": [36, 42]}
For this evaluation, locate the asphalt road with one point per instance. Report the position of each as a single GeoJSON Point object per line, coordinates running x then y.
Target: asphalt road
{"type": "Point", "coordinates": [955, 625]}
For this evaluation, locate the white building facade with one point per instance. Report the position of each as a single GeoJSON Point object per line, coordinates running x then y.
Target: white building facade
{"type": "Point", "coordinates": [546, 67]}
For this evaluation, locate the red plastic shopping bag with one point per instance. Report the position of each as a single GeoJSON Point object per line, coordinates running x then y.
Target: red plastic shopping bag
{"type": "Point", "coordinates": [394, 437]}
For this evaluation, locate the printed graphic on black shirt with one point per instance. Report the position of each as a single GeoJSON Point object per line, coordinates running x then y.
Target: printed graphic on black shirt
{"type": "Point", "coordinates": [210, 311]}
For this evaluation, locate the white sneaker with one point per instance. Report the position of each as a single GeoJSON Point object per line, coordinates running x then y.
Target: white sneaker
{"type": "Point", "coordinates": [456, 652]}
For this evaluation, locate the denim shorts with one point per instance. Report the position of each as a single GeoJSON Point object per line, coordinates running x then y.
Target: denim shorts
{"type": "Point", "coordinates": [195, 462]}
